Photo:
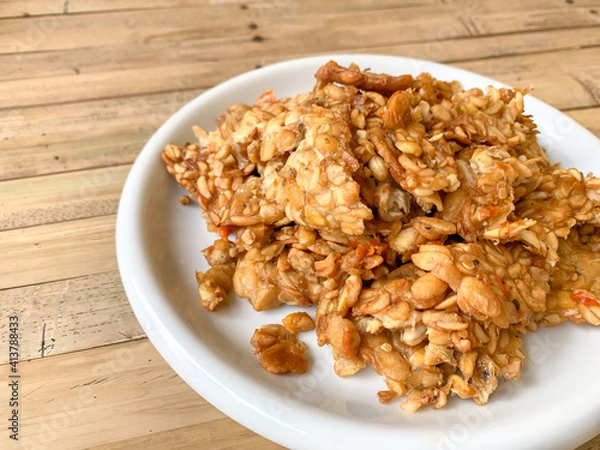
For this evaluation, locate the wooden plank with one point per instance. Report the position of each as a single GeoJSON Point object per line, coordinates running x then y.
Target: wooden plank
{"type": "Point", "coordinates": [57, 138]}
{"type": "Point", "coordinates": [540, 70]}
{"type": "Point", "coordinates": [594, 444]}
{"type": "Point", "coordinates": [24, 127]}
{"type": "Point", "coordinates": [372, 27]}
{"type": "Point", "coordinates": [105, 29]}
{"type": "Point", "coordinates": [102, 395]}
{"type": "Point", "coordinates": [140, 27]}
{"type": "Point", "coordinates": [60, 153]}
{"type": "Point", "coordinates": [588, 117]}
{"type": "Point", "coordinates": [57, 251]}
{"type": "Point", "coordinates": [516, 6]}
{"type": "Point", "coordinates": [430, 46]}
{"type": "Point", "coordinates": [99, 85]}
{"type": "Point", "coordinates": [220, 434]}
{"type": "Point", "coordinates": [28, 8]}
{"type": "Point", "coordinates": [69, 315]}
{"type": "Point", "coordinates": [61, 197]}
{"type": "Point", "coordinates": [574, 72]}
{"type": "Point", "coordinates": [498, 22]}
{"type": "Point", "coordinates": [546, 64]}
{"type": "Point", "coordinates": [489, 47]}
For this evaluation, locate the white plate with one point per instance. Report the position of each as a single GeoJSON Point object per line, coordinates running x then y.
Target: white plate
{"type": "Point", "coordinates": [555, 405]}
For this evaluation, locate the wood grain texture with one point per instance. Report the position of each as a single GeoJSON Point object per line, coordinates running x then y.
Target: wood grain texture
{"type": "Point", "coordinates": [46, 125]}
{"type": "Point", "coordinates": [377, 26]}
{"type": "Point", "coordinates": [102, 396]}
{"type": "Point", "coordinates": [61, 197]}
{"type": "Point", "coordinates": [85, 83]}
{"type": "Point", "coordinates": [28, 8]}
{"type": "Point", "coordinates": [81, 135]}
{"type": "Point", "coordinates": [573, 67]}
{"type": "Point", "coordinates": [438, 47]}
{"type": "Point", "coordinates": [574, 71]}
{"type": "Point", "coordinates": [588, 117]}
{"type": "Point", "coordinates": [58, 251]}
{"type": "Point", "coordinates": [221, 435]}
{"type": "Point", "coordinates": [76, 87]}
{"type": "Point", "coordinates": [69, 315]}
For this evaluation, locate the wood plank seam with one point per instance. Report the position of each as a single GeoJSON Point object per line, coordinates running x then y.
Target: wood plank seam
{"type": "Point", "coordinates": [454, 40]}
{"type": "Point", "coordinates": [133, 339]}
{"type": "Point", "coordinates": [77, 219]}
{"type": "Point", "coordinates": [514, 54]}
{"type": "Point", "coordinates": [32, 44]}
{"type": "Point", "coordinates": [588, 87]}
{"type": "Point", "coordinates": [65, 11]}
{"type": "Point", "coordinates": [41, 177]}
{"type": "Point", "coordinates": [41, 283]}
{"type": "Point", "coordinates": [457, 39]}
{"type": "Point", "coordinates": [172, 46]}
{"type": "Point", "coordinates": [77, 247]}
{"type": "Point", "coordinates": [73, 102]}
{"type": "Point", "coordinates": [248, 63]}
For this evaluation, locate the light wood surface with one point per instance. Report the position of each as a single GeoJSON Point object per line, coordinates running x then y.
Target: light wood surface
{"type": "Point", "coordinates": [83, 85]}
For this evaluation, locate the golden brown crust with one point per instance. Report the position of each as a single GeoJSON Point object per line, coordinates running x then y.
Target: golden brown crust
{"type": "Point", "coordinates": [368, 81]}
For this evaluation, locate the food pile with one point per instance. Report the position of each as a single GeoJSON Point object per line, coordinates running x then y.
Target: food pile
{"type": "Point", "coordinates": [424, 221]}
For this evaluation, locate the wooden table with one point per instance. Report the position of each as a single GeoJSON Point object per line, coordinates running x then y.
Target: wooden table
{"type": "Point", "coordinates": [83, 85]}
